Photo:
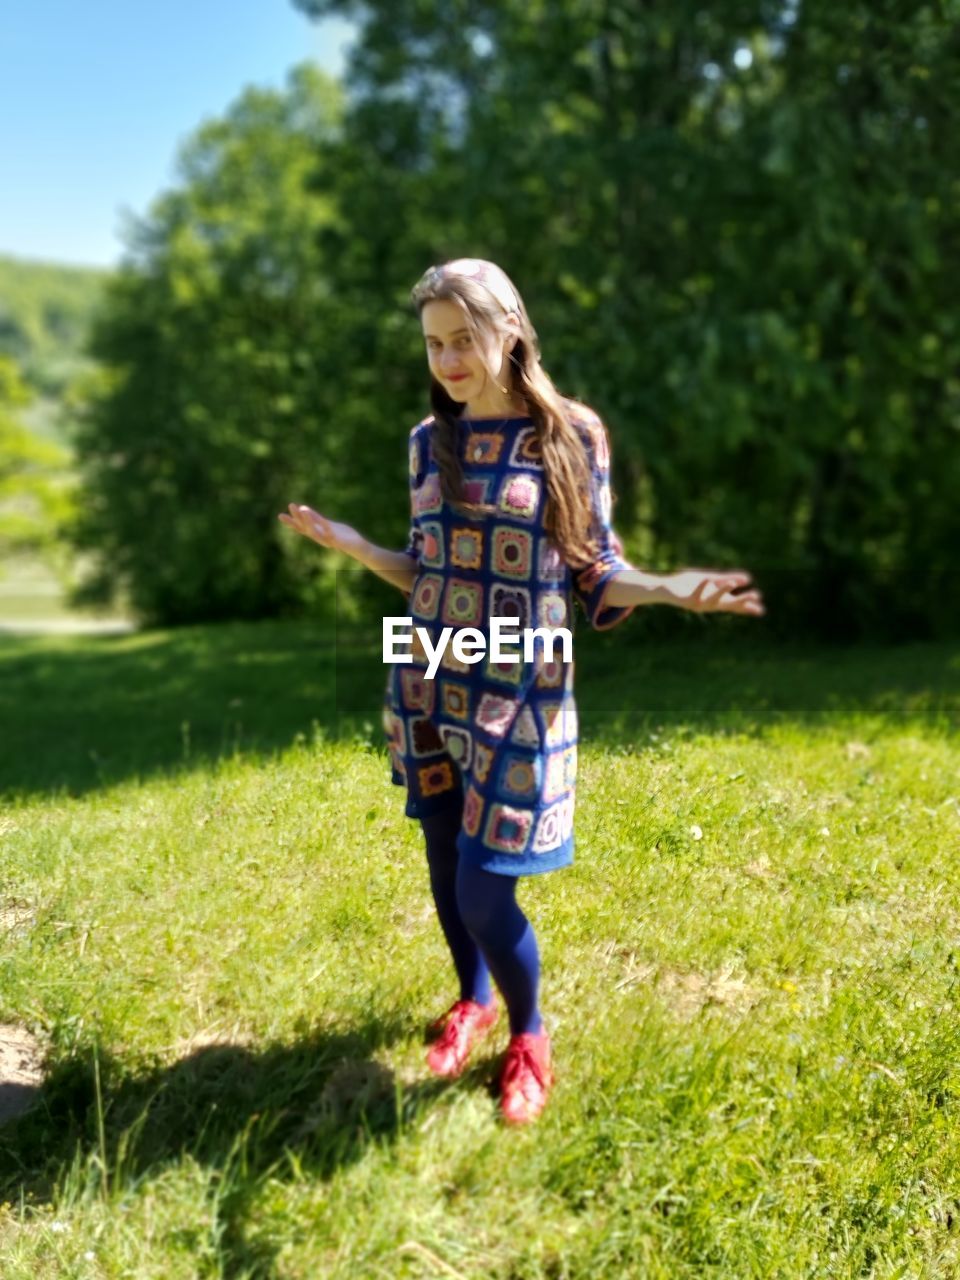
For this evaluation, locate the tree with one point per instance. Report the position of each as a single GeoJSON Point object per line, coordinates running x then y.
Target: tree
{"type": "Point", "coordinates": [736, 229]}
{"type": "Point", "coordinates": [215, 393]}
{"type": "Point", "coordinates": [34, 498]}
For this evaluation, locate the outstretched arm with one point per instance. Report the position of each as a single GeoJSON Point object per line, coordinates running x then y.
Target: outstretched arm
{"type": "Point", "coordinates": [699, 590]}
{"type": "Point", "coordinates": [395, 567]}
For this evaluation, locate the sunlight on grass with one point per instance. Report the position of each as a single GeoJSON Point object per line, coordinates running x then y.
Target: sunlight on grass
{"type": "Point", "coordinates": [749, 974]}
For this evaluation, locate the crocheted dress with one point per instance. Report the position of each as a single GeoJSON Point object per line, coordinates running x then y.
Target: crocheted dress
{"type": "Point", "coordinates": [500, 738]}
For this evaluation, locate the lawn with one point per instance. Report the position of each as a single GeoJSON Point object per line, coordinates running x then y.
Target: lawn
{"type": "Point", "coordinates": [217, 920]}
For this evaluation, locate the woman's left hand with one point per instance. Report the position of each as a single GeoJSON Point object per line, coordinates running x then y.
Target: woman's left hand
{"type": "Point", "coordinates": [711, 591]}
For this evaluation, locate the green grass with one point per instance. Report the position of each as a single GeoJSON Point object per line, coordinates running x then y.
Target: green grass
{"type": "Point", "coordinates": [219, 918]}
{"type": "Point", "coordinates": [31, 592]}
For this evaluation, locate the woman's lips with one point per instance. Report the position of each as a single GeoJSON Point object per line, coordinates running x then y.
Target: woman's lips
{"type": "Point", "coordinates": [458, 377]}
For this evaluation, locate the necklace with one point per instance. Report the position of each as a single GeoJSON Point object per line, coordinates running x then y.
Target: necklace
{"type": "Point", "coordinates": [476, 451]}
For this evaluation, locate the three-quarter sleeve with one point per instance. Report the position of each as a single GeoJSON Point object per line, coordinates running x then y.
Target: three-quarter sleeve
{"type": "Point", "coordinates": [590, 582]}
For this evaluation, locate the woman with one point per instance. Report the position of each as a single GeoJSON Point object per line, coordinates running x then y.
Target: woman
{"type": "Point", "coordinates": [510, 518]}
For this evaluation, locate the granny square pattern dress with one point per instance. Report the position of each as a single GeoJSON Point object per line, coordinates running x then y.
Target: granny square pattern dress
{"type": "Point", "coordinates": [500, 738]}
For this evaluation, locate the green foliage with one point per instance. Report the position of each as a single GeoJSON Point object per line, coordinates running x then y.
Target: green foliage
{"type": "Point", "coordinates": [216, 391]}
{"type": "Point", "coordinates": [45, 314]}
{"type": "Point", "coordinates": [736, 231]}
{"type": "Point", "coordinates": [746, 269]}
{"type": "Point", "coordinates": [35, 496]}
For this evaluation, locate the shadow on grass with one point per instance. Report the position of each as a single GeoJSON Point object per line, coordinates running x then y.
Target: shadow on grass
{"type": "Point", "coordinates": [725, 680]}
{"type": "Point", "coordinates": [85, 712]}
{"type": "Point", "coordinates": [82, 713]}
{"type": "Point", "coordinates": [250, 1114]}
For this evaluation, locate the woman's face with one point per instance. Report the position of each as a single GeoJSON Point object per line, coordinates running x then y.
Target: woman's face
{"type": "Point", "coordinates": [453, 355]}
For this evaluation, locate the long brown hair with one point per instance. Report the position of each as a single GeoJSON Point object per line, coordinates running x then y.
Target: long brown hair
{"type": "Point", "coordinates": [568, 517]}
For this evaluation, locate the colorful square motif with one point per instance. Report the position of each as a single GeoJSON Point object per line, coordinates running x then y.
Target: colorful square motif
{"type": "Point", "coordinates": [549, 832]}
{"type": "Point", "coordinates": [431, 550]}
{"type": "Point", "coordinates": [511, 602]}
{"type": "Point", "coordinates": [434, 779]}
{"type": "Point", "coordinates": [424, 739]}
{"type": "Point", "coordinates": [526, 451]}
{"type": "Point", "coordinates": [495, 714]}
{"type": "Point", "coordinates": [466, 548]}
{"type": "Point", "coordinates": [426, 596]}
{"type": "Point", "coordinates": [483, 447]}
{"type": "Point", "coordinates": [450, 662]}
{"type": "Point", "coordinates": [428, 499]}
{"type": "Point", "coordinates": [417, 691]}
{"type": "Point", "coordinates": [570, 767]}
{"type": "Point", "coordinates": [508, 672]}
{"type": "Point", "coordinates": [393, 729]}
{"type": "Point", "coordinates": [455, 700]}
{"type": "Point", "coordinates": [507, 829]}
{"type": "Point", "coordinates": [553, 783]}
{"type": "Point", "coordinates": [482, 757]}
{"type": "Point", "coordinates": [463, 603]}
{"type": "Point", "coordinates": [550, 674]}
{"type": "Point", "coordinates": [512, 552]}
{"type": "Point", "coordinates": [414, 542]}
{"type": "Point", "coordinates": [520, 776]}
{"type": "Point", "coordinates": [552, 608]}
{"type": "Point", "coordinates": [477, 488]}
{"type": "Point", "coordinates": [458, 743]}
{"type": "Point", "coordinates": [414, 457]}
{"type": "Point", "coordinates": [552, 715]}
{"type": "Point", "coordinates": [549, 562]}
{"type": "Point", "coordinates": [525, 732]}
{"type": "Point", "coordinates": [472, 810]}
{"type": "Point", "coordinates": [520, 496]}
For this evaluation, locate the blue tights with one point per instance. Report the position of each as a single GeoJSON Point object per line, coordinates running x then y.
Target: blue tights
{"type": "Point", "coordinates": [485, 929]}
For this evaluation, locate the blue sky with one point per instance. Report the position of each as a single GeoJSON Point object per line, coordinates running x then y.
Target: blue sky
{"type": "Point", "coordinates": [96, 97]}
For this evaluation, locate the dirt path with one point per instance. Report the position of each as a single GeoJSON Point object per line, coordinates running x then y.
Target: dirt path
{"type": "Point", "coordinates": [65, 627]}
{"type": "Point", "coordinates": [21, 1057]}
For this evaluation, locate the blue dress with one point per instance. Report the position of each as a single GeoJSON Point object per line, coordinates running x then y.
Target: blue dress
{"type": "Point", "coordinates": [498, 738]}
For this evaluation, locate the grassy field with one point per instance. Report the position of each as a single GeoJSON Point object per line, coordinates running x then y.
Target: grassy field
{"type": "Point", "coordinates": [31, 595]}
{"type": "Point", "coordinates": [216, 916]}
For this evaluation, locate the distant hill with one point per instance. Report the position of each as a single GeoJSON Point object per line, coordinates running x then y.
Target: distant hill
{"type": "Point", "coordinates": [45, 314]}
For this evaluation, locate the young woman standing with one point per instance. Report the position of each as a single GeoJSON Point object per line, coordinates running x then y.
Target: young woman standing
{"type": "Point", "coordinates": [510, 518]}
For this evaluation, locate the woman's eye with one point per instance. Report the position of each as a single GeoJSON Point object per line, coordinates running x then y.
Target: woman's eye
{"type": "Point", "coordinates": [434, 347]}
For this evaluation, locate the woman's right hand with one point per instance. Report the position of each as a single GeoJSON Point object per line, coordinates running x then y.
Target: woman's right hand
{"type": "Point", "coordinates": [328, 533]}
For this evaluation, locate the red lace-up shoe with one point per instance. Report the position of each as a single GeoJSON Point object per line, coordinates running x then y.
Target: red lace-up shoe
{"type": "Point", "coordinates": [527, 1077]}
{"type": "Point", "coordinates": [460, 1029]}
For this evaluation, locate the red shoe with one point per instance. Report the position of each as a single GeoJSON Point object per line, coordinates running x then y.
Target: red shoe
{"type": "Point", "coordinates": [462, 1026]}
{"type": "Point", "coordinates": [527, 1078]}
